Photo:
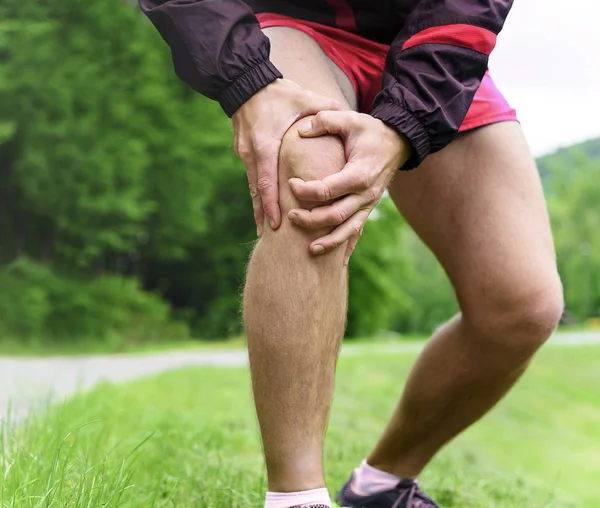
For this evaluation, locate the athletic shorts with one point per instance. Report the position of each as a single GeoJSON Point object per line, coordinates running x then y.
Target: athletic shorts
{"type": "Point", "coordinates": [363, 61]}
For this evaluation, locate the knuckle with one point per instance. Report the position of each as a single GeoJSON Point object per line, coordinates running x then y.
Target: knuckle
{"type": "Point", "coordinates": [340, 216]}
{"type": "Point", "coordinates": [253, 192]}
{"type": "Point", "coordinates": [264, 147]}
{"type": "Point", "coordinates": [324, 193]}
{"type": "Point", "coordinates": [334, 243]}
{"type": "Point", "coordinates": [259, 141]}
{"type": "Point", "coordinates": [362, 180]}
{"type": "Point", "coordinates": [374, 194]}
{"type": "Point", "coordinates": [264, 183]}
{"type": "Point", "coordinates": [357, 228]}
{"type": "Point", "coordinates": [242, 150]}
{"type": "Point", "coordinates": [320, 117]}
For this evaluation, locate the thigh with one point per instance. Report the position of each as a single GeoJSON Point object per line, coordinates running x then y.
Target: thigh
{"type": "Point", "coordinates": [479, 205]}
{"type": "Point", "coordinates": [300, 59]}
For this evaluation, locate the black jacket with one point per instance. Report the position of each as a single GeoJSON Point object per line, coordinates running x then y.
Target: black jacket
{"type": "Point", "coordinates": [439, 53]}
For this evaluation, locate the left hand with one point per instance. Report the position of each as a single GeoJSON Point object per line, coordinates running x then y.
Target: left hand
{"type": "Point", "coordinates": [374, 153]}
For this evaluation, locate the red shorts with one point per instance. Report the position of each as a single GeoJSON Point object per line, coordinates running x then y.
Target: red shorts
{"type": "Point", "coordinates": [363, 61]}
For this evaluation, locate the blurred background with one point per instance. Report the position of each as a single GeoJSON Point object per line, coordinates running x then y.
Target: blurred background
{"type": "Point", "coordinates": [125, 216]}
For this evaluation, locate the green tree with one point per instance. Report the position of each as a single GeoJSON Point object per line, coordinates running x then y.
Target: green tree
{"type": "Point", "coordinates": [575, 213]}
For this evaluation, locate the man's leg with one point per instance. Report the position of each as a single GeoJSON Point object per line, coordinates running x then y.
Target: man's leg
{"type": "Point", "coordinates": [479, 206]}
{"type": "Point", "coordinates": [295, 304]}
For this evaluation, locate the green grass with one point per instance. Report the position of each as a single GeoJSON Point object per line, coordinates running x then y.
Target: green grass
{"type": "Point", "coordinates": [39, 347]}
{"type": "Point", "coordinates": [189, 439]}
{"type": "Point", "coordinates": [20, 348]}
{"type": "Point", "coordinates": [17, 348]}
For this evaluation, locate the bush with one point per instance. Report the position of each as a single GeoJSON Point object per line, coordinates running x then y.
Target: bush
{"type": "Point", "coordinates": [19, 297]}
{"type": "Point", "coordinates": [35, 302]}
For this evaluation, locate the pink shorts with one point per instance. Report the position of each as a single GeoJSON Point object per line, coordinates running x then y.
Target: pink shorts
{"type": "Point", "coordinates": [363, 62]}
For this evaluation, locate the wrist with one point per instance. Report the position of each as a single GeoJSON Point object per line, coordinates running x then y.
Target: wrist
{"type": "Point", "coordinates": [247, 86]}
{"type": "Point", "coordinates": [405, 123]}
{"type": "Point", "coordinates": [262, 94]}
{"type": "Point", "coordinates": [403, 150]}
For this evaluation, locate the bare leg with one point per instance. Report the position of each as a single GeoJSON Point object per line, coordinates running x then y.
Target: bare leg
{"type": "Point", "coordinates": [295, 304]}
{"type": "Point", "coordinates": [479, 206]}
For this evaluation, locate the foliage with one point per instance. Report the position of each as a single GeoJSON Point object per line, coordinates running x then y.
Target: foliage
{"type": "Point", "coordinates": [575, 212]}
{"type": "Point", "coordinates": [102, 168]}
{"type": "Point", "coordinates": [378, 274]}
{"type": "Point", "coordinates": [107, 308]}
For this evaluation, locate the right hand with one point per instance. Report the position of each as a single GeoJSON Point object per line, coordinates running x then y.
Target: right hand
{"type": "Point", "coordinates": [259, 126]}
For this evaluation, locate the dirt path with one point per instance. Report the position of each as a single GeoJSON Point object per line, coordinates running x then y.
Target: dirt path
{"type": "Point", "coordinates": [26, 383]}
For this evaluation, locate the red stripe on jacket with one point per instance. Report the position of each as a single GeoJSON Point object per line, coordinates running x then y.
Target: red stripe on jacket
{"type": "Point", "coordinates": [465, 36]}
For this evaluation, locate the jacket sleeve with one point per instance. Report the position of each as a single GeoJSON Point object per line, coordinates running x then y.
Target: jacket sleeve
{"type": "Point", "coordinates": [434, 67]}
{"type": "Point", "coordinates": [217, 47]}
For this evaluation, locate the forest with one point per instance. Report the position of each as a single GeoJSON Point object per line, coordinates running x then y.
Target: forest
{"type": "Point", "coordinates": [125, 214]}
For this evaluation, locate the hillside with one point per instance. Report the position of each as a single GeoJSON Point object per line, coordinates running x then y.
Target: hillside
{"type": "Point", "coordinates": [570, 156]}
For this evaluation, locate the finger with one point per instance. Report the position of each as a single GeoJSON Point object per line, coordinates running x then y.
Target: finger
{"type": "Point", "coordinates": [349, 180]}
{"type": "Point", "coordinates": [257, 207]}
{"type": "Point", "coordinates": [341, 234]}
{"type": "Point", "coordinates": [267, 157]}
{"type": "Point", "coordinates": [329, 122]}
{"type": "Point", "coordinates": [259, 216]}
{"type": "Point", "coordinates": [313, 103]}
{"type": "Point", "coordinates": [350, 248]}
{"type": "Point", "coordinates": [330, 215]}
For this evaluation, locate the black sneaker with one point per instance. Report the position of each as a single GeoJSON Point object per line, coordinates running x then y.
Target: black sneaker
{"type": "Point", "coordinates": [406, 494]}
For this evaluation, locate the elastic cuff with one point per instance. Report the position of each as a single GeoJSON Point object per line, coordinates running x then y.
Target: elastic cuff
{"type": "Point", "coordinates": [407, 124]}
{"type": "Point", "coordinates": [247, 85]}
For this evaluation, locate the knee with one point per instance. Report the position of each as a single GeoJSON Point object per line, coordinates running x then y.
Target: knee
{"type": "Point", "coordinates": [308, 159]}
{"type": "Point", "coordinates": [519, 319]}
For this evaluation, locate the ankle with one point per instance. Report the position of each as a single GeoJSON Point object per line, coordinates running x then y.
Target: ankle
{"type": "Point", "coordinates": [294, 485]}
{"type": "Point", "coordinates": [368, 480]}
{"type": "Point", "coordinates": [294, 480]}
{"type": "Point", "coordinates": [399, 468]}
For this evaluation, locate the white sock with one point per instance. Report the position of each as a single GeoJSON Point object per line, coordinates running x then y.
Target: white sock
{"type": "Point", "coordinates": [317, 498]}
{"type": "Point", "coordinates": [367, 480]}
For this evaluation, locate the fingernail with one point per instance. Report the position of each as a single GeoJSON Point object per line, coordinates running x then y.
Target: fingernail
{"type": "Point", "coordinates": [306, 127]}
{"type": "Point", "coordinates": [271, 223]}
{"type": "Point", "coordinates": [318, 249]}
{"type": "Point", "coordinates": [293, 217]}
{"type": "Point", "coordinates": [346, 261]}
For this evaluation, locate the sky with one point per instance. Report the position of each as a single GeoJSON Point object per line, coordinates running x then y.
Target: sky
{"type": "Point", "coordinates": [547, 64]}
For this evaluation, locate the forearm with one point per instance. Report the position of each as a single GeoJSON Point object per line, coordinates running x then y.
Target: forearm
{"type": "Point", "coordinates": [217, 47]}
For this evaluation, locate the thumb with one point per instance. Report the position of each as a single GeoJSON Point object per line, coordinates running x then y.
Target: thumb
{"type": "Point", "coordinates": [326, 122]}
